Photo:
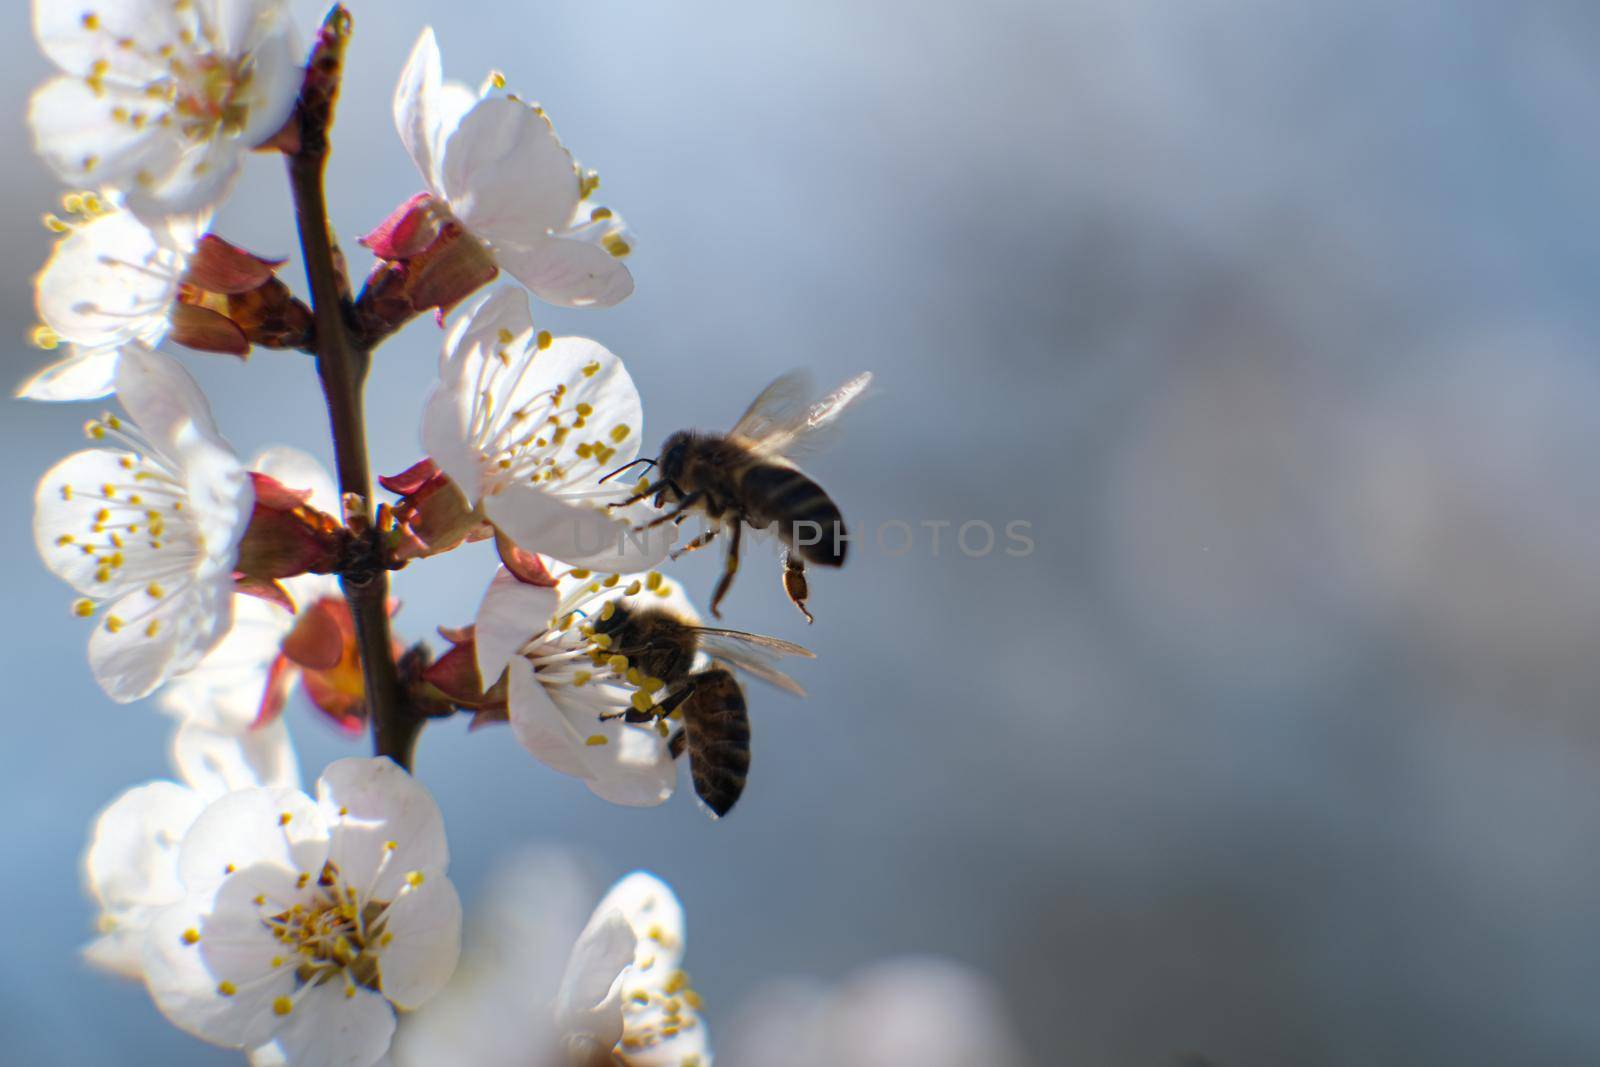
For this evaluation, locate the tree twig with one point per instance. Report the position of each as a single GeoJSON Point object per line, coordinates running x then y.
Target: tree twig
{"type": "Point", "coordinates": [342, 364]}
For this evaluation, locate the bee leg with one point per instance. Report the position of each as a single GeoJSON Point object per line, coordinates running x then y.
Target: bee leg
{"type": "Point", "coordinates": [683, 505]}
{"type": "Point", "coordinates": [648, 491]}
{"type": "Point", "coordinates": [675, 743]}
{"type": "Point", "coordinates": [730, 567]}
{"type": "Point", "coordinates": [699, 542]}
{"type": "Point", "coordinates": [795, 584]}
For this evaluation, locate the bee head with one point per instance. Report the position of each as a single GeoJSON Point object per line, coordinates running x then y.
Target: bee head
{"type": "Point", "coordinates": [674, 454]}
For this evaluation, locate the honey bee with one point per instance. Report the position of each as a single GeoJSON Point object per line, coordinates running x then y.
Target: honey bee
{"type": "Point", "coordinates": [661, 643]}
{"type": "Point", "coordinates": [746, 478]}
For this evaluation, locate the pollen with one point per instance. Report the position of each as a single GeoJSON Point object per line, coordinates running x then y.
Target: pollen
{"type": "Point", "coordinates": [414, 879]}
{"type": "Point", "coordinates": [113, 624]}
{"type": "Point", "coordinates": [620, 432]}
{"type": "Point", "coordinates": [642, 701]}
{"type": "Point", "coordinates": [591, 369]}
{"type": "Point", "coordinates": [616, 246]}
{"type": "Point", "coordinates": [618, 664]}
{"type": "Point", "coordinates": [581, 678]}
{"type": "Point", "coordinates": [652, 580]}
{"type": "Point", "coordinates": [545, 340]}
{"type": "Point", "coordinates": [83, 608]}
{"type": "Point", "coordinates": [600, 213]}
{"type": "Point", "coordinates": [282, 1006]}
{"type": "Point", "coordinates": [152, 628]}
{"type": "Point", "coordinates": [155, 590]}
{"type": "Point", "coordinates": [596, 740]}
{"type": "Point", "coordinates": [284, 819]}
{"type": "Point", "coordinates": [227, 989]}
{"type": "Point", "coordinates": [190, 936]}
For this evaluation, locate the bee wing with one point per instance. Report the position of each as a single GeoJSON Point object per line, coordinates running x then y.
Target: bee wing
{"type": "Point", "coordinates": [753, 654]}
{"type": "Point", "coordinates": [779, 408]}
{"type": "Point", "coordinates": [811, 429]}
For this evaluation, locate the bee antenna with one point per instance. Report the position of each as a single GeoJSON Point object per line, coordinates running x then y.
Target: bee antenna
{"type": "Point", "coordinates": [625, 466]}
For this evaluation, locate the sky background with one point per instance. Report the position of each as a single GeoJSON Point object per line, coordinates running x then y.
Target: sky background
{"type": "Point", "coordinates": [1276, 322]}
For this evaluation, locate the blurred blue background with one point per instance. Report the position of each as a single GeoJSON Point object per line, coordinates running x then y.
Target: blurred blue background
{"type": "Point", "coordinates": [1278, 324]}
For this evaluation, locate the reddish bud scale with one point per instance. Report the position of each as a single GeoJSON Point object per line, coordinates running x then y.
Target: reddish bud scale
{"type": "Point", "coordinates": [287, 536]}
{"type": "Point", "coordinates": [430, 262]}
{"type": "Point", "coordinates": [433, 515]}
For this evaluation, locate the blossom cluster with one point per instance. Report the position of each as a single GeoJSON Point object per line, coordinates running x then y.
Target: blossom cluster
{"type": "Point", "coordinates": [310, 926]}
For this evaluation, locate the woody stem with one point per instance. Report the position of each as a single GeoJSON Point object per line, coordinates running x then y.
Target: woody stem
{"type": "Point", "coordinates": [342, 364]}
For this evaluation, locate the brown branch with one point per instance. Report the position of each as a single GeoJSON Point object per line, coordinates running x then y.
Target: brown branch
{"type": "Point", "coordinates": [342, 364]}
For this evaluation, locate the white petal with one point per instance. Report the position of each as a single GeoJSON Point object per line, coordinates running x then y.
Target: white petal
{"type": "Point", "coordinates": [653, 911]}
{"type": "Point", "coordinates": [923, 1011]}
{"type": "Point", "coordinates": [74, 130]}
{"type": "Point", "coordinates": [85, 374]}
{"type": "Point", "coordinates": [580, 534]}
{"type": "Point", "coordinates": [157, 639]}
{"type": "Point", "coordinates": [214, 763]}
{"type": "Point", "coordinates": [416, 107]}
{"type": "Point", "coordinates": [223, 692]}
{"type": "Point", "coordinates": [565, 272]}
{"type": "Point", "coordinates": [185, 976]}
{"type": "Point", "coordinates": [589, 1003]}
{"type": "Point", "coordinates": [133, 855]}
{"type": "Point", "coordinates": [164, 399]}
{"type": "Point", "coordinates": [630, 767]}
{"type": "Point", "coordinates": [370, 803]}
{"type": "Point", "coordinates": [198, 177]}
{"type": "Point", "coordinates": [510, 614]}
{"type": "Point", "coordinates": [75, 47]}
{"type": "Point", "coordinates": [277, 56]}
{"type": "Point", "coordinates": [506, 174]}
{"type": "Point", "coordinates": [248, 831]}
{"type": "Point", "coordinates": [426, 924]}
{"type": "Point", "coordinates": [111, 282]}
{"type": "Point", "coordinates": [327, 1028]}
{"type": "Point", "coordinates": [68, 504]}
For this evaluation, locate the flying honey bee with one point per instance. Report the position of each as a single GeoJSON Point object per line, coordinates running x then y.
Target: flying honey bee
{"type": "Point", "coordinates": [715, 730]}
{"type": "Point", "coordinates": [746, 478]}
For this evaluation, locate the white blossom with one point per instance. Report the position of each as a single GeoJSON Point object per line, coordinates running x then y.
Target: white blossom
{"type": "Point", "coordinates": [306, 922]}
{"type": "Point", "coordinates": [494, 162]}
{"type": "Point", "coordinates": [111, 282]}
{"type": "Point", "coordinates": [535, 989]}
{"type": "Point", "coordinates": [527, 424]}
{"type": "Point", "coordinates": [131, 866]}
{"type": "Point", "coordinates": [227, 689]}
{"type": "Point", "coordinates": [160, 99]}
{"type": "Point", "coordinates": [917, 1010]}
{"type": "Point", "coordinates": [567, 692]}
{"type": "Point", "coordinates": [150, 533]}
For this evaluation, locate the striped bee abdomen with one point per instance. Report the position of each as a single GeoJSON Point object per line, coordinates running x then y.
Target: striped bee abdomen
{"type": "Point", "coordinates": [716, 728]}
{"type": "Point", "coordinates": [808, 520]}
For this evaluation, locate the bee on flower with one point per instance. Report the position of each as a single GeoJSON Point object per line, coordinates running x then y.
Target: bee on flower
{"type": "Point", "coordinates": [161, 100]}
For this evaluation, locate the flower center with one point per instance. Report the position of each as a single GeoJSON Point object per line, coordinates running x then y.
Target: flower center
{"type": "Point", "coordinates": [208, 99]}
{"type": "Point", "coordinates": [333, 935]}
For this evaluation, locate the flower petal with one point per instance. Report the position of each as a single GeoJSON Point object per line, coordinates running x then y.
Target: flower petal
{"type": "Point", "coordinates": [510, 613]}
{"type": "Point", "coordinates": [506, 175]}
{"type": "Point", "coordinates": [143, 641]}
{"type": "Point", "coordinates": [85, 374]}
{"type": "Point", "coordinates": [265, 838]}
{"type": "Point", "coordinates": [328, 1028]}
{"type": "Point", "coordinates": [214, 763]}
{"type": "Point", "coordinates": [564, 271]}
{"type": "Point", "coordinates": [580, 534]}
{"type": "Point", "coordinates": [416, 107]}
{"type": "Point", "coordinates": [426, 924]}
{"type": "Point", "coordinates": [370, 803]}
{"type": "Point", "coordinates": [588, 1006]}
{"type": "Point", "coordinates": [653, 911]}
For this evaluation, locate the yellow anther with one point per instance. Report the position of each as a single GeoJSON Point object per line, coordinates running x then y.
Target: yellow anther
{"type": "Point", "coordinates": [152, 627]}
{"type": "Point", "coordinates": [662, 728]}
{"type": "Point", "coordinates": [113, 624]}
{"type": "Point", "coordinates": [634, 677]}
{"type": "Point", "coordinates": [282, 1006]}
{"type": "Point", "coordinates": [653, 580]}
{"type": "Point", "coordinates": [44, 337]}
{"type": "Point", "coordinates": [155, 590]}
{"type": "Point", "coordinates": [595, 740]}
{"type": "Point", "coordinates": [190, 936]}
{"type": "Point", "coordinates": [601, 640]}
{"type": "Point", "coordinates": [651, 684]}
{"type": "Point", "coordinates": [260, 899]}
{"type": "Point", "coordinates": [497, 79]}
{"type": "Point", "coordinates": [616, 245]}
{"type": "Point", "coordinates": [618, 664]}
{"type": "Point", "coordinates": [620, 432]}
{"type": "Point", "coordinates": [588, 183]}
{"type": "Point", "coordinates": [609, 610]}
{"type": "Point", "coordinates": [641, 701]}
{"type": "Point", "coordinates": [83, 608]}
{"type": "Point", "coordinates": [91, 21]}
{"type": "Point", "coordinates": [600, 213]}
{"type": "Point", "coordinates": [611, 581]}
{"type": "Point", "coordinates": [414, 879]}
{"type": "Point", "coordinates": [581, 678]}
{"type": "Point", "coordinates": [633, 588]}
{"type": "Point", "coordinates": [227, 989]}
{"type": "Point", "coordinates": [545, 340]}
{"type": "Point", "coordinates": [591, 369]}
